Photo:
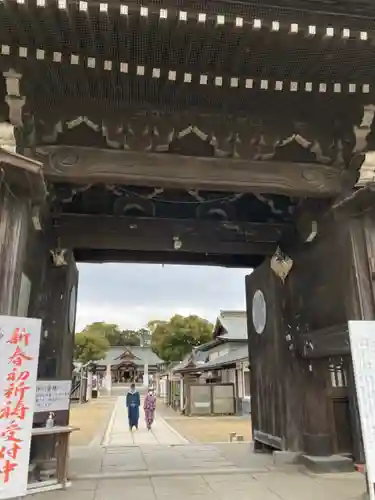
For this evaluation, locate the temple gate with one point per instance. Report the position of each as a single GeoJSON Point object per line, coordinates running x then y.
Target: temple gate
{"type": "Point", "coordinates": [210, 133]}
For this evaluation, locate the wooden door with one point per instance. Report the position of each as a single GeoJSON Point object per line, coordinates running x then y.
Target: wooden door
{"type": "Point", "coordinates": [342, 431]}
{"type": "Point", "coordinates": [266, 382]}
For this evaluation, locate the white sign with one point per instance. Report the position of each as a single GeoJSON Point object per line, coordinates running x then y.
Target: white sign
{"type": "Point", "coordinates": [52, 395]}
{"type": "Point", "coordinates": [362, 343]}
{"type": "Point", "coordinates": [19, 351]}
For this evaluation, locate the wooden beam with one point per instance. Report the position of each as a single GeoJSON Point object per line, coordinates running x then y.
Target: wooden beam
{"type": "Point", "coordinates": [23, 175]}
{"type": "Point", "coordinates": [166, 257]}
{"type": "Point", "coordinates": [152, 234]}
{"type": "Point", "coordinates": [269, 440]}
{"type": "Point", "coordinates": [331, 341]}
{"type": "Point", "coordinates": [83, 165]}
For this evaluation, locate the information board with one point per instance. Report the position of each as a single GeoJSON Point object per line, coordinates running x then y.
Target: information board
{"type": "Point", "coordinates": [52, 395]}
{"type": "Point", "coordinates": [19, 352]}
{"type": "Point", "coordinates": [362, 344]}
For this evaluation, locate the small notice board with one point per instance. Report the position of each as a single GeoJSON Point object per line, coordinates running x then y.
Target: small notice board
{"type": "Point", "coordinates": [52, 395]}
{"type": "Point", "coordinates": [19, 352]}
{"type": "Point", "coordinates": [362, 343]}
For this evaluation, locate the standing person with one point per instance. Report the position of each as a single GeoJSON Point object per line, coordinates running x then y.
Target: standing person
{"type": "Point", "coordinates": [133, 402]}
{"type": "Point", "coordinates": [149, 407]}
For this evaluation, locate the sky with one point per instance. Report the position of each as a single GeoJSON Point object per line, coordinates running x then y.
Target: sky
{"type": "Point", "coordinates": [130, 295]}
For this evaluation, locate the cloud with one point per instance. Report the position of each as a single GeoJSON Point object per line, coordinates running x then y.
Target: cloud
{"type": "Point", "coordinates": [132, 294]}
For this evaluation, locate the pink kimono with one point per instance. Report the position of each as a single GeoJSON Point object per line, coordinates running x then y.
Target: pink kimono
{"type": "Point", "coordinates": [149, 407]}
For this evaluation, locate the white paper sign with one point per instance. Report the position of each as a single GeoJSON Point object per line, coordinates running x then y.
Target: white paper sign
{"type": "Point", "coordinates": [362, 343]}
{"type": "Point", "coordinates": [19, 351]}
{"type": "Point", "coordinates": [52, 395]}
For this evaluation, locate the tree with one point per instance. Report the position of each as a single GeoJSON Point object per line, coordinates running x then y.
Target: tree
{"type": "Point", "coordinates": [129, 337]}
{"type": "Point", "coordinates": [144, 335]}
{"type": "Point", "coordinates": [113, 334]}
{"type": "Point", "coordinates": [90, 346]}
{"type": "Point", "coordinates": [172, 340]}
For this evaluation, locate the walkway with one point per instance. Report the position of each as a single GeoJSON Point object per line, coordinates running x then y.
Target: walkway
{"type": "Point", "coordinates": [118, 433]}
{"type": "Point", "coordinates": [161, 466]}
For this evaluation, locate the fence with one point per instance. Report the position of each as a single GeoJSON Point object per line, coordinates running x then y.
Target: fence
{"type": "Point", "coordinates": [79, 387]}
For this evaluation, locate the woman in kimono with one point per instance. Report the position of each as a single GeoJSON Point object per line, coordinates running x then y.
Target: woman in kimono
{"type": "Point", "coordinates": [133, 402]}
{"type": "Point", "coordinates": [149, 407]}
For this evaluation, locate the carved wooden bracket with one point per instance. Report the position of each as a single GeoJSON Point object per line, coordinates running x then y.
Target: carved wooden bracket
{"type": "Point", "coordinates": [281, 264]}
{"type": "Point", "coordinates": [258, 137]}
{"type": "Point", "coordinates": [13, 98]}
{"type": "Point", "coordinates": [59, 257]}
{"type": "Point", "coordinates": [7, 137]}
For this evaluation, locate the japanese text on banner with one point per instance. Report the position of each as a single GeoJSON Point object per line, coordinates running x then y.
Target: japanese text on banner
{"type": "Point", "coordinates": [18, 365]}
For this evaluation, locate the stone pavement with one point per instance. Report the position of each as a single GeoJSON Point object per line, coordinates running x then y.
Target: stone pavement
{"type": "Point", "coordinates": [129, 467]}
{"type": "Point", "coordinates": [271, 485]}
{"type": "Point", "coordinates": [118, 433]}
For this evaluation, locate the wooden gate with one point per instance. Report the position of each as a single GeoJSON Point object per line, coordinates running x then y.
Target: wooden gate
{"type": "Point", "coordinates": [264, 332]}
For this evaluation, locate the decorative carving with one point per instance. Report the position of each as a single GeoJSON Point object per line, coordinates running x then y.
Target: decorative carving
{"type": "Point", "coordinates": [260, 137]}
{"type": "Point", "coordinates": [365, 164]}
{"type": "Point", "coordinates": [307, 228]}
{"type": "Point", "coordinates": [58, 257]}
{"type": "Point", "coordinates": [82, 119]}
{"type": "Point", "coordinates": [191, 142]}
{"type": "Point", "coordinates": [16, 105]}
{"type": "Point", "coordinates": [271, 203]}
{"type": "Point", "coordinates": [35, 217]}
{"type": "Point", "coordinates": [132, 206]}
{"type": "Point", "coordinates": [12, 82]}
{"type": "Point", "coordinates": [13, 98]}
{"type": "Point", "coordinates": [7, 137]}
{"type": "Point", "coordinates": [297, 148]}
{"type": "Point", "coordinates": [66, 194]}
{"type": "Point", "coordinates": [219, 211]}
{"type": "Point", "coordinates": [23, 122]}
{"type": "Point", "coordinates": [281, 264]}
{"type": "Point", "coordinates": [364, 133]}
{"type": "Point", "coordinates": [152, 133]}
{"type": "Point", "coordinates": [88, 166]}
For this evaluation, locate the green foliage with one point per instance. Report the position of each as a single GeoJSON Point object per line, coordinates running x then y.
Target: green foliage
{"type": "Point", "coordinates": [90, 346]}
{"type": "Point", "coordinates": [114, 335]}
{"type": "Point", "coordinates": [172, 340]}
{"type": "Point", "coordinates": [128, 337]}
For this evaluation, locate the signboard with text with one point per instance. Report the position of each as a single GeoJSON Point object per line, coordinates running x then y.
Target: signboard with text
{"type": "Point", "coordinates": [19, 351]}
{"type": "Point", "coordinates": [52, 395]}
{"type": "Point", "coordinates": [362, 344]}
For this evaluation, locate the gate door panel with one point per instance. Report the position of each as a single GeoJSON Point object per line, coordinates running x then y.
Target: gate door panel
{"type": "Point", "coordinates": [223, 399]}
{"type": "Point", "coordinates": [265, 337]}
{"type": "Point", "coordinates": [200, 399]}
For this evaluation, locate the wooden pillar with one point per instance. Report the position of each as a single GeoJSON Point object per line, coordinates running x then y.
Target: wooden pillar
{"type": "Point", "coordinates": [14, 229]}
{"type": "Point", "coordinates": [53, 299]}
{"type": "Point", "coordinates": [22, 193]}
{"type": "Point", "coordinates": [145, 375]}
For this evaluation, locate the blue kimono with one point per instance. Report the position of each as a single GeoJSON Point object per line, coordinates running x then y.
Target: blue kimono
{"type": "Point", "coordinates": [133, 402]}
